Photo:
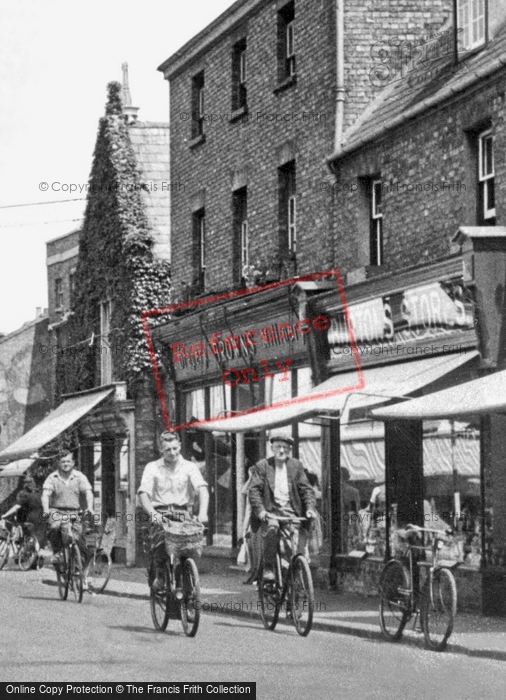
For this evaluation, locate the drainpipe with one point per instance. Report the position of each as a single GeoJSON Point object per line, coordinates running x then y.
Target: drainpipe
{"type": "Point", "coordinates": [340, 91]}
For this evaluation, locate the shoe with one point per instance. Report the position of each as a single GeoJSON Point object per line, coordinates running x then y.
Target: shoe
{"type": "Point", "coordinates": [56, 560]}
{"type": "Point", "coordinates": [269, 574]}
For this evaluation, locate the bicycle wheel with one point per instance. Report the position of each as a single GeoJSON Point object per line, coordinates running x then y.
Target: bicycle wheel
{"type": "Point", "coordinates": [160, 600]}
{"type": "Point", "coordinates": [62, 574]}
{"type": "Point", "coordinates": [270, 596]}
{"type": "Point", "coordinates": [395, 606]}
{"type": "Point", "coordinates": [190, 605]}
{"type": "Point", "coordinates": [302, 596]}
{"type": "Point", "coordinates": [28, 553]}
{"type": "Point", "coordinates": [4, 552]}
{"type": "Point", "coordinates": [76, 573]}
{"type": "Point", "coordinates": [438, 610]}
{"type": "Point", "coordinates": [98, 571]}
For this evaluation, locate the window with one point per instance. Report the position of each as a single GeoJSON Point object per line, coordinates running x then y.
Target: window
{"type": "Point", "coordinates": [239, 92]}
{"type": "Point", "coordinates": [72, 284]}
{"type": "Point", "coordinates": [486, 179]}
{"type": "Point", "coordinates": [376, 223]}
{"type": "Point", "coordinates": [286, 42]}
{"type": "Point", "coordinates": [241, 234]}
{"type": "Point", "coordinates": [58, 293]}
{"type": "Point", "coordinates": [105, 344]}
{"type": "Point", "coordinates": [198, 105]}
{"type": "Point", "coordinates": [199, 248]}
{"type": "Point", "coordinates": [288, 209]}
{"type": "Point", "coordinates": [471, 24]}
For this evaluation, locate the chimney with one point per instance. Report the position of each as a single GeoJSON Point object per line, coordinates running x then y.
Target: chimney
{"type": "Point", "coordinates": [38, 312]}
{"type": "Point", "coordinates": [129, 112]}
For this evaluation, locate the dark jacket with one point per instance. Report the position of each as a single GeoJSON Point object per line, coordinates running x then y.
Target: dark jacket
{"type": "Point", "coordinates": [261, 492]}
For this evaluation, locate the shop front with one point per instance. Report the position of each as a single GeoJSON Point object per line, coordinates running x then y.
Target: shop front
{"type": "Point", "coordinates": [226, 358]}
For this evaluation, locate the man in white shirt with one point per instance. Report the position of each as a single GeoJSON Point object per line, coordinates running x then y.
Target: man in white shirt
{"type": "Point", "coordinates": [279, 486]}
{"type": "Point", "coordinates": [167, 487]}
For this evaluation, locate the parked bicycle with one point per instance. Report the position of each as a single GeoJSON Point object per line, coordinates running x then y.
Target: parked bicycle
{"type": "Point", "coordinates": [179, 597]}
{"type": "Point", "coordinates": [292, 583]}
{"type": "Point", "coordinates": [17, 541]}
{"type": "Point", "coordinates": [70, 572]}
{"type": "Point", "coordinates": [401, 598]}
{"type": "Point", "coordinates": [98, 569]}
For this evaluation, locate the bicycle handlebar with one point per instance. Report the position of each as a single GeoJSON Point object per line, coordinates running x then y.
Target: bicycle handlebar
{"type": "Point", "coordinates": [417, 528]}
{"type": "Point", "coordinates": [287, 518]}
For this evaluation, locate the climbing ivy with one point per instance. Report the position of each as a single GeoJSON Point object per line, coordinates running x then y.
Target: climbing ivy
{"type": "Point", "coordinates": [116, 263]}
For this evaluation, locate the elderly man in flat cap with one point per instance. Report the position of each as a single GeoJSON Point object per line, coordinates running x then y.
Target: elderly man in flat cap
{"type": "Point", "coordinates": [279, 486]}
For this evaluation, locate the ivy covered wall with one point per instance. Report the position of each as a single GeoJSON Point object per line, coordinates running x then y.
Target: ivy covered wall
{"type": "Point", "coordinates": [116, 263]}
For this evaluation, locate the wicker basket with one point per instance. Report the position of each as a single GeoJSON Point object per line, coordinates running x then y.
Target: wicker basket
{"type": "Point", "coordinates": [183, 537]}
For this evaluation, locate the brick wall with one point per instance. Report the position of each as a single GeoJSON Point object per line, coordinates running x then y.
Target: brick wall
{"type": "Point", "coordinates": [256, 146]}
{"type": "Point", "coordinates": [61, 260]}
{"type": "Point", "coordinates": [419, 225]}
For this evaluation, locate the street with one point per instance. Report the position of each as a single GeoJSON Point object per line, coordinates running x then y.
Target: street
{"type": "Point", "coordinates": [112, 639]}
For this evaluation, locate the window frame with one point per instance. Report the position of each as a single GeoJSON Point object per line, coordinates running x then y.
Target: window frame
{"type": "Point", "coordinates": [469, 22]}
{"type": "Point", "coordinates": [287, 182]}
{"type": "Point", "coordinates": [106, 374]}
{"type": "Point", "coordinates": [376, 245]}
{"type": "Point", "coordinates": [287, 57]}
{"type": "Point", "coordinates": [239, 75]}
{"type": "Point", "coordinates": [486, 214]}
{"type": "Point", "coordinates": [59, 298]}
{"type": "Point", "coordinates": [198, 104]}
{"type": "Point", "coordinates": [199, 242]}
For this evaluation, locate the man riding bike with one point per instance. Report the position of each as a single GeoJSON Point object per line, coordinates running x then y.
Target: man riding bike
{"type": "Point", "coordinates": [167, 488]}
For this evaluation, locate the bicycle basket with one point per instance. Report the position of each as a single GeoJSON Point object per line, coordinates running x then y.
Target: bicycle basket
{"type": "Point", "coordinates": [71, 531]}
{"type": "Point", "coordinates": [183, 537]}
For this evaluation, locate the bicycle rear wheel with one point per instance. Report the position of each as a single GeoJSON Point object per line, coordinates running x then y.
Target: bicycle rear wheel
{"type": "Point", "coordinates": [302, 596]}
{"type": "Point", "coordinates": [98, 571]}
{"type": "Point", "coordinates": [76, 573]}
{"type": "Point", "coordinates": [62, 574]}
{"type": "Point", "coordinates": [28, 553]}
{"type": "Point", "coordinates": [270, 596]}
{"type": "Point", "coordinates": [438, 609]}
{"type": "Point", "coordinates": [395, 606]}
{"type": "Point", "coordinates": [190, 605]}
{"type": "Point", "coordinates": [159, 600]}
{"type": "Point", "coordinates": [4, 553]}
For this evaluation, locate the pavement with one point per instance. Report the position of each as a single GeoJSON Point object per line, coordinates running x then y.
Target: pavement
{"type": "Point", "coordinates": [223, 593]}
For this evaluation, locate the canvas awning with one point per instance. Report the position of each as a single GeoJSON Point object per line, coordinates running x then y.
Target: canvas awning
{"type": "Point", "coordinates": [69, 412]}
{"type": "Point", "coordinates": [17, 468]}
{"type": "Point", "coordinates": [479, 396]}
{"type": "Point", "coordinates": [379, 385]}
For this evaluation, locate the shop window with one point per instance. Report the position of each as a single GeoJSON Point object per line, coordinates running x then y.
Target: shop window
{"type": "Point", "coordinates": [105, 343]}
{"type": "Point", "coordinates": [471, 22]}
{"type": "Point", "coordinates": [287, 210]}
{"type": "Point", "coordinates": [241, 235]}
{"type": "Point", "coordinates": [199, 250]}
{"type": "Point", "coordinates": [486, 180]}
{"type": "Point", "coordinates": [286, 42]}
{"type": "Point", "coordinates": [198, 105]}
{"type": "Point", "coordinates": [239, 91]}
{"type": "Point", "coordinates": [58, 293]}
{"type": "Point", "coordinates": [376, 222]}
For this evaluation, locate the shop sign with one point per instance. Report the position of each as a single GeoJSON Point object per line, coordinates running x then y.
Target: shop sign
{"type": "Point", "coordinates": [429, 315]}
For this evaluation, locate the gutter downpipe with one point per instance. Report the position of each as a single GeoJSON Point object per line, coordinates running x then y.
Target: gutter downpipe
{"type": "Point", "coordinates": [340, 90]}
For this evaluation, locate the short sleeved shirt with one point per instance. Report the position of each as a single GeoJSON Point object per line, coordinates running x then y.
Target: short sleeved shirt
{"type": "Point", "coordinates": [65, 492]}
{"type": "Point", "coordinates": [166, 486]}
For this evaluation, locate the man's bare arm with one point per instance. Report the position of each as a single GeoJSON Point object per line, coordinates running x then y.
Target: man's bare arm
{"type": "Point", "coordinates": [203, 503]}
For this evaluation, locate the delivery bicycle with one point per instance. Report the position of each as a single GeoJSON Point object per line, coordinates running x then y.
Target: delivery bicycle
{"type": "Point", "coordinates": [179, 595]}
{"type": "Point", "coordinates": [17, 541]}
{"type": "Point", "coordinates": [401, 600]}
{"type": "Point", "coordinates": [292, 585]}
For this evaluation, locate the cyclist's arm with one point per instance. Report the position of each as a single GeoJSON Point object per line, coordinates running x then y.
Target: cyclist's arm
{"type": "Point", "coordinates": [11, 511]}
{"type": "Point", "coordinates": [44, 499]}
{"type": "Point", "coordinates": [89, 501]}
{"type": "Point", "coordinates": [146, 504]}
{"type": "Point", "coordinates": [203, 503]}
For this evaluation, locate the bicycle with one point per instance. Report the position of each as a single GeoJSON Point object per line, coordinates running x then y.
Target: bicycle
{"type": "Point", "coordinates": [21, 544]}
{"type": "Point", "coordinates": [70, 572]}
{"type": "Point", "coordinates": [98, 569]}
{"type": "Point", "coordinates": [183, 601]}
{"type": "Point", "coordinates": [292, 582]}
{"type": "Point", "coordinates": [400, 600]}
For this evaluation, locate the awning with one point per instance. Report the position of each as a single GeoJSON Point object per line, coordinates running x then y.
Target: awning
{"type": "Point", "coordinates": [378, 385]}
{"type": "Point", "coordinates": [17, 468]}
{"type": "Point", "coordinates": [63, 417]}
{"type": "Point", "coordinates": [484, 395]}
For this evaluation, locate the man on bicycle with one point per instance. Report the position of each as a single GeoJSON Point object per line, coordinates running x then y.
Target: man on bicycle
{"type": "Point", "coordinates": [279, 487]}
{"type": "Point", "coordinates": [60, 499]}
{"type": "Point", "coordinates": [167, 488]}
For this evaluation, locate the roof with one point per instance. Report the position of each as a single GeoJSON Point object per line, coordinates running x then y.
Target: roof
{"type": "Point", "coordinates": [228, 20]}
{"type": "Point", "coordinates": [418, 90]}
{"type": "Point", "coordinates": [150, 142]}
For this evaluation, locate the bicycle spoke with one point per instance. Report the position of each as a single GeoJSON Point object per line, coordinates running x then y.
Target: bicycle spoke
{"type": "Point", "coordinates": [62, 575]}
{"type": "Point", "coordinates": [438, 609]}
{"type": "Point", "coordinates": [302, 596]}
{"type": "Point", "coordinates": [4, 552]}
{"type": "Point", "coordinates": [395, 605]}
{"type": "Point", "coordinates": [76, 573]}
{"type": "Point", "coordinates": [160, 600]}
{"type": "Point", "coordinates": [269, 595]}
